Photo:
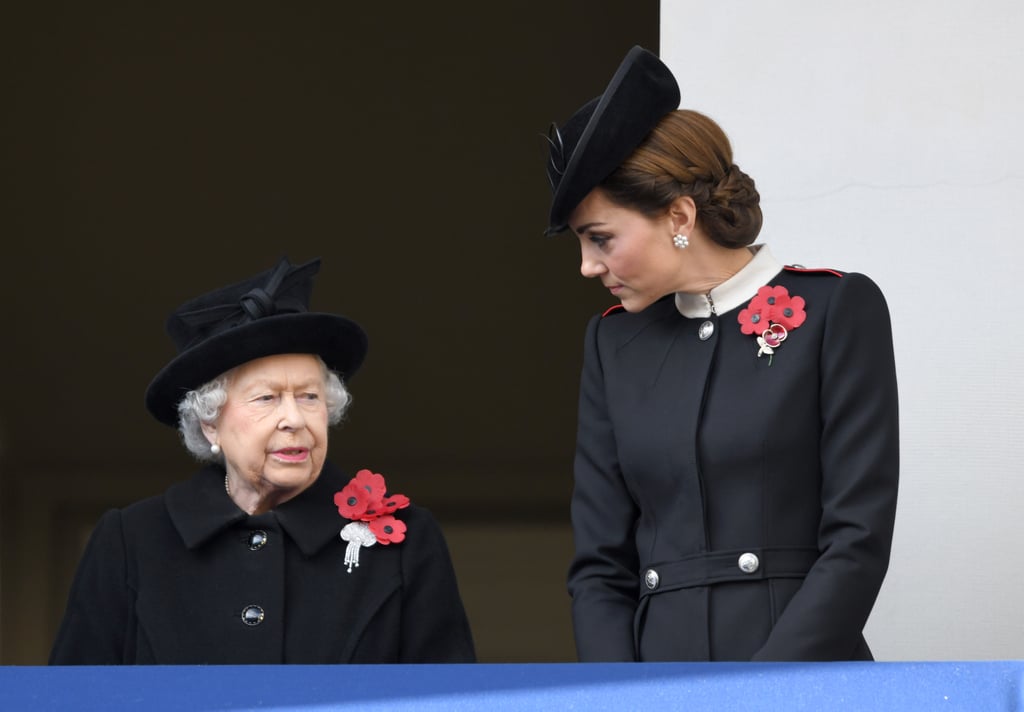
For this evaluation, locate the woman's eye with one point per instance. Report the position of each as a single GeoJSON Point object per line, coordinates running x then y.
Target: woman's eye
{"type": "Point", "coordinates": [599, 240]}
{"type": "Point", "coordinates": [311, 397]}
{"type": "Point", "coordinates": [266, 398]}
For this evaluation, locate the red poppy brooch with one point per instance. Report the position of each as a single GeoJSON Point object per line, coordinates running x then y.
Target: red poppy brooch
{"type": "Point", "coordinates": [772, 314]}
{"type": "Point", "coordinates": [364, 500]}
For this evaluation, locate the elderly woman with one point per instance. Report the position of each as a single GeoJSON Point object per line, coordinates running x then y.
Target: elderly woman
{"type": "Point", "coordinates": [269, 554]}
{"type": "Point", "coordinates": [737, 453]}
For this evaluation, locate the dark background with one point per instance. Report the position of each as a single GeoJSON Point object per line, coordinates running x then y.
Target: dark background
{"type": "Point", "coordinates": [154, 151]}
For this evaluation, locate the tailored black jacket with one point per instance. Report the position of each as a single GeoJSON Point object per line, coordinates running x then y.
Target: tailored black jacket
{"type": "Point", "coordinates": [692, 453]}
{"type": "Point", "coordinates": [166, 580]}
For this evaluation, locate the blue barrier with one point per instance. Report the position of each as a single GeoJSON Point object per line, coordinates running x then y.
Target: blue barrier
{"type": "Point", "coordinates": [650, 687]}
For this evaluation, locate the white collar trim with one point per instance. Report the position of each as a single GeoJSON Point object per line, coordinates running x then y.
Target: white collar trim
{"type": "Point", "coordinates": [734, 291]}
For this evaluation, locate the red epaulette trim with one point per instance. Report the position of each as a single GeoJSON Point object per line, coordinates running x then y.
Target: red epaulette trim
{"type": "Point", "coordinates": [826, 270]}
{"type": "Point", "coordinates": [612, 310]}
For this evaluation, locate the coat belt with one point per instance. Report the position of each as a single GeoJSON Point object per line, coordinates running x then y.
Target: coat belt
{"type": "Point", "coordinates": [725, 566]}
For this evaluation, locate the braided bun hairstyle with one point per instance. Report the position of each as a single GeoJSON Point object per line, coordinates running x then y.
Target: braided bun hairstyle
{"type": "Point", "coordinates": [688, 154]}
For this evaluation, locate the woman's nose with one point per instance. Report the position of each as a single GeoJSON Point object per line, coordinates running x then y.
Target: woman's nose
{"type": "Point", "coordinates": [591, 267]}
{"type": "Point", "coordinates": [291, 414]}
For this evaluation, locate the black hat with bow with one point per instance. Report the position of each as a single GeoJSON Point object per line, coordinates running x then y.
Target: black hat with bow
{"type": "Point", "coordinates": [264, 315]}
{"type": "Point", "coordinates": [606, 130]}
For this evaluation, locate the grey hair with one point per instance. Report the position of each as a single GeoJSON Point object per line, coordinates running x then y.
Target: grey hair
{"type": "Point", "coordinates": [203, 405]}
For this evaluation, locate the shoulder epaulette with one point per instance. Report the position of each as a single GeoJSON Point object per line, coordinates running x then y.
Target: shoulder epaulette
{"type": "Point", "coordinates": [613, 310]}
{"type": "Point", "coordinates": [812, 270]}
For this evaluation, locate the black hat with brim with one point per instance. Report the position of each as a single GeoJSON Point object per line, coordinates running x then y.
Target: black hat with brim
{"type": "Point", "coordinates": [605, 131]}
{"type": "Point", "coordinates": [265, 315]}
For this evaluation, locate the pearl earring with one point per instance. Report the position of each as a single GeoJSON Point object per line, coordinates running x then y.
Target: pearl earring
{"type": "Point", "coordinates": [215, 449]}
{"type": "Point", "coordinates": [681, 241]}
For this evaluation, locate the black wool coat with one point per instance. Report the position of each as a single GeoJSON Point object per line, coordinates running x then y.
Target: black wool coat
{"type": "Point", "coordinates": [692, 453]}
{"type": "Point", "coordinates": [166, 581]}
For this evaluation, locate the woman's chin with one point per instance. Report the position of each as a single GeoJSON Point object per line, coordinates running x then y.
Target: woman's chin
{"type": "Point", "coordinates": [635, 303]}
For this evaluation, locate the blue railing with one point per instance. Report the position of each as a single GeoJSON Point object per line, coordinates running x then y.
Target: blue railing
{"type": "Point", "coordinates": [650, 687]}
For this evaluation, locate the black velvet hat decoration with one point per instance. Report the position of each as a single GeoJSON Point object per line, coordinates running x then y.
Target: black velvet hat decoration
{"type": "Point", "coordinates": [261, 316]}
{"type": "Point", "coordinates": [606, 130]}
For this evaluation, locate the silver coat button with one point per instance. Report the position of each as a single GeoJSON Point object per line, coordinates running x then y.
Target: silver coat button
{"type": "Point", "coordinates": [257, 540]}
{"type": "Point", "coordinates": [749, 563]}
{"type": "Point", "coordinates": [705, 330]}
{"type": "Point", "coordinates": [252, 615]}
{"type": "Point", "coordinates": [651, 579]}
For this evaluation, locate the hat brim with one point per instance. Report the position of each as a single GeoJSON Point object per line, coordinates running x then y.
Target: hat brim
{"type": "Point", "coordinates": [641, 92]}
{"type": "Point", "coordinates": [340, 342]}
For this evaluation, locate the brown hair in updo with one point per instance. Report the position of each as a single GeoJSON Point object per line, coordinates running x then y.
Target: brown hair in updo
{"type": "Point", "coordinates": [688, 154]}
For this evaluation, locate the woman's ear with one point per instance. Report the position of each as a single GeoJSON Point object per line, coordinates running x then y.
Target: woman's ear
{"type": "Point", "coordinates": [683, 215]}
{"type": "Point", "coordinates": [210, 431]}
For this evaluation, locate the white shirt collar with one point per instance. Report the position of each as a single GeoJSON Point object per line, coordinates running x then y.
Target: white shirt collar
{"type": "Point", "coordinates": [734, 291]}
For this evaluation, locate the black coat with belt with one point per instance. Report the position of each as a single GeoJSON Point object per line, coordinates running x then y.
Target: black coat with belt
{"type": "Point", "coordinates": [189, 578]}
{"type": "Point", "coordinates": [730, 506]}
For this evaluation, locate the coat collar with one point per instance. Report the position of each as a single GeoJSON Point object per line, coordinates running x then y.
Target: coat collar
{"type": "Point", "coordinates": [734, 291]}
{"type": "Point", "coordinates": [200, 509]}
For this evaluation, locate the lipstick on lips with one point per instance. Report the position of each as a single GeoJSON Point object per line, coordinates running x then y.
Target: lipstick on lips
{"type": "Point", "coordinates": [292, 454]}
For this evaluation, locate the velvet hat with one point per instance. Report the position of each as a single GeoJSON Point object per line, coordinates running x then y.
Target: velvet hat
{"type": "Point", "coordinates": [606, 130]}
{"type": "Point", "coordinates": [264, 315]}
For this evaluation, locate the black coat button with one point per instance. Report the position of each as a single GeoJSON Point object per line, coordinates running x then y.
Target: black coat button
{"type": "Point", "coordinates": [252, 615]}
{"type": "Point", "coordinates": [257, 539]}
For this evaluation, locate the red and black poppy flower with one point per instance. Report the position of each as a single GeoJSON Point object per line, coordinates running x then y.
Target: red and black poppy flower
{"type": "Point", "coordinates": [770, 316]}
{"type": "Point", "coordinates": [364, 499]}
{"type": "Point", "coordinates": [387, 529]}
{"type": "Point", "coordinates": [352, 501]}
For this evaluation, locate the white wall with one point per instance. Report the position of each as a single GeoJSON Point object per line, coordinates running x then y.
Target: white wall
{"type": "Point", "coordinates": [886, 138]}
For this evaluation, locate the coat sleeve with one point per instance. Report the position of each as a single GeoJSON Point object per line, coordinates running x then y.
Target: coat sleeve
{"type": "Point", "coordinates": [603, 577]}
{"type": "Point", "coordinates": [860, 471]}
{"type": "Point", "coordinates": [434, 627]}
{"type": "Point", "coordinates": [101, 603]}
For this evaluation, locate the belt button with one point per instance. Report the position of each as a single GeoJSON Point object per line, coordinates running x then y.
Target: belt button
{"type": "Point", "coordinates": [705, 330]}
{"type": "Point", "coordinates": [651, 579]}
{"type": "Point", "coordinates": [749, 563]}
{"type": "Point", "coordinates": [252, 615]}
